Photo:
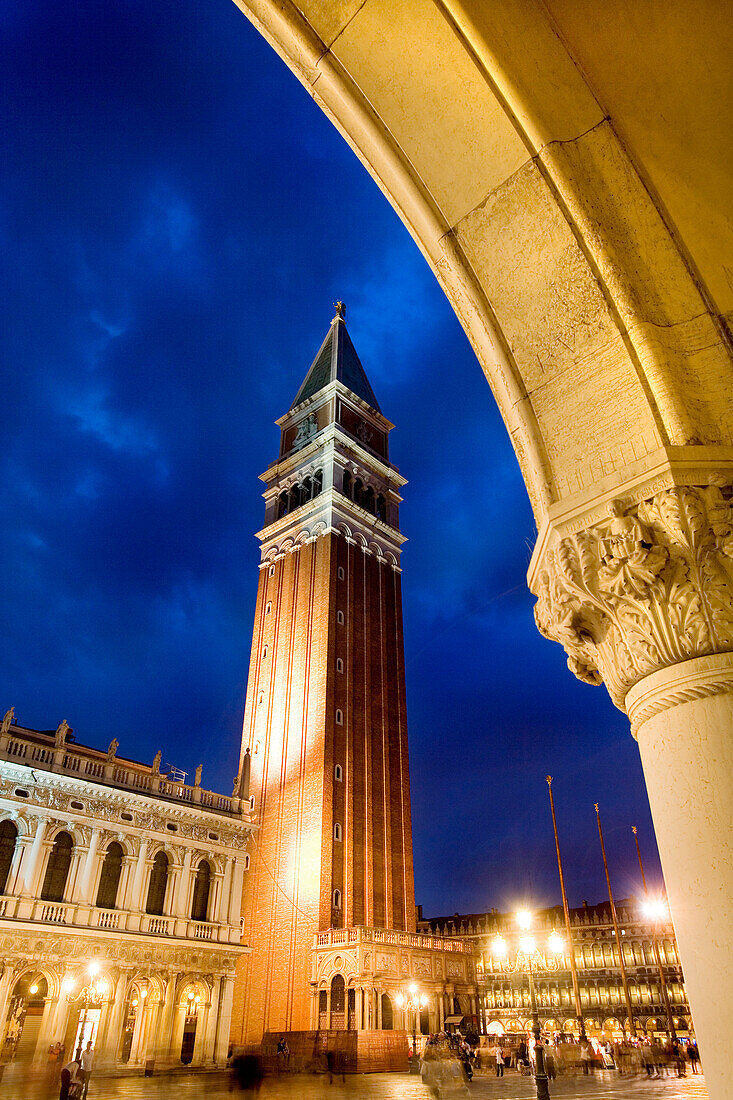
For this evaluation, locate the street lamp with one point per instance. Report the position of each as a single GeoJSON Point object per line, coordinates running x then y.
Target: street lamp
{"type": "Point", "coordinates": [529, 957]}
{"type": "Point", "coordinates": [655, 909]}
{"type": "Point", "coordinates": [91, 995]}
{"type": "Point", "coordinates": [413, 1000]}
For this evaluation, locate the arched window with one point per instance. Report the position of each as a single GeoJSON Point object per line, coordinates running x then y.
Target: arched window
{"type": "Point", "coordinates": [347, 485]}
{"type": "Point", "coordinates": [337, 832]}
{"type": "Point", "coordinates": [317, 482]}
{"type": "Point", "coordinates": [358, 486]}
{"type": "Point", "coordinates": [340, 618]}
{"type": "Point", "coordinates": [337, 899]}
{"type": "Point", "coordinates": [109, 880]}
{"type": "Point", "coordinates": [8, 838]}
{"type": "Point", "coordinates": [387, 1013]}
{"type": "Point", "coordinates": [339, 718]}
{"type": "Point", "coordinates": [57, 868]}
{"type": "Point", "coordinates": [338, 993]}
{"type": "Point", "coordinates": [339, 665]}
{"type": "Point", "coordinates": [282, 505]}
{"type": "Point", "coordinates": [157, 885]}
{"type": "Point", "coordinates": [306, 489]}
{"type": "Point", "coordinates": [272, 571]}
{"type": "Point", "coordinates": [381, 507]}
{"type": "Point", "coordinates": [341, 573]}
{"type": "Point", "coordinates": [201, 886]}
{"type": "Point", "coordinates": [368, 499]}
{"type": "Point", "coordinates": [338, 773]}
{"type": "Point", "coordinates": [294, 498]}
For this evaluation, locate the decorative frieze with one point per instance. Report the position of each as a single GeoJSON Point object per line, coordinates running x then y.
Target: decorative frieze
{"type": "Point", "coordinates": [648, 587]}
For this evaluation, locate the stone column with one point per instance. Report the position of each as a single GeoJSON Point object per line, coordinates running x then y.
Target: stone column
{"type": "Point", "coordinates": [643, 601]}
{"type": "Point", "coordinates": [179, 908]}
{"type": "Point", "coordinates": [164, 1037]}
{"type": "Point", "coordinates": [109, 1041]}
{"type": "Point", "coordinates": [212, 1017]}
{"type": "Point", "coordinates": [360, 1009]}
{"type": "Point", "coordinates": [136, 902]}
{"type": "Point", "coordinates": [221, 1047]}
{"type": "Point", "coordinates": [328, 1006]}
{"type": "Point", "coordinates": [6, 987]}
{"type": "Point", "coordinates": [33, 861]}
{"type": "Point", "coordinates": [221, 914]}
{"type": "Point", "coordinates": [87, 875]}
{"type": "Point", "coordinates": [441, 1011]}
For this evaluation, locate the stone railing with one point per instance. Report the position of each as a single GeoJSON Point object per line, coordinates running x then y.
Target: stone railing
{"type": "Point", "coordinates": [79, 916]}
{"type": "Point", "coordinates": [337, 936]}
{"type": "Point", "coordinates": [30, 747]}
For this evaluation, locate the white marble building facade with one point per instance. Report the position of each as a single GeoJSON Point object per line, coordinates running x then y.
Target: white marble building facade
{"type": "Point", "coordinates": [120, 898]}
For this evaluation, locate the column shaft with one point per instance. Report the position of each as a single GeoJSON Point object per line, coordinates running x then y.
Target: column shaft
{"type": "Point", "coordinates": [688, 749]}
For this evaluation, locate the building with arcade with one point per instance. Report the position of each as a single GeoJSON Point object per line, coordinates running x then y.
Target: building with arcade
{"type": "Point", "coordinates": [120, 890]}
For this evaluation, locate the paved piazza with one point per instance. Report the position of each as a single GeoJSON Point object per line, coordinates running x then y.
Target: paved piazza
{"type": "Point", "coordinates": [379, 1086]}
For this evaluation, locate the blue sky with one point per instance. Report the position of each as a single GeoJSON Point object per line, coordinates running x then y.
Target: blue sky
{"type": "Point", "coordinates": [176, 219]}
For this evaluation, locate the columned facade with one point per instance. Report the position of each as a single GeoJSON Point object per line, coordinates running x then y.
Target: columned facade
{"type": "Point", "coordinates": [117, 923]}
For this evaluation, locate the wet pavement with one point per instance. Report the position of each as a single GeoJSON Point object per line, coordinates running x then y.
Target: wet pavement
{"type": "Point", "coordinates": [605, 1085]}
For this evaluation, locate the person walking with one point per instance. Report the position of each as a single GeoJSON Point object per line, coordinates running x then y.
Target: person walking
{"type": "Point", "coordinates": [85, 1069]}
{"type": "Point", "coordinates": [499, 1061]}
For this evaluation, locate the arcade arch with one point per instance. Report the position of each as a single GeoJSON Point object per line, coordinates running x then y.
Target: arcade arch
{"type": "Point", "coordinates": [566, 184]}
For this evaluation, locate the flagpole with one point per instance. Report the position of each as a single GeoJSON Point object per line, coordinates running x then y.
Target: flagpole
{"type": "Point", "coordinates": [655, 946]}
{"type": "Point", "coordinates": [568, 929]}
{"type": "Point", "coordinates": [625, 983]}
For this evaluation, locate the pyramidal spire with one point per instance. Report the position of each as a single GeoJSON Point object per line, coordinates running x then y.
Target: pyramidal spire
{"type": "Point", "coordinates": [337, 360]}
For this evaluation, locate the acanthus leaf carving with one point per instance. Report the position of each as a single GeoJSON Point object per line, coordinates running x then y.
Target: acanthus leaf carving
{"type": "Point", "coordinates": [649, 587]}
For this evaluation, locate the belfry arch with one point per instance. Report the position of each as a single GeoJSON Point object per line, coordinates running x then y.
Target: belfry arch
{"type": "Point", "coordinates": [563, 168]}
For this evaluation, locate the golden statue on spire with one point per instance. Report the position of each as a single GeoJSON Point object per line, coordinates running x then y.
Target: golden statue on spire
{"type": "Point", "coordinates": [340, 310]}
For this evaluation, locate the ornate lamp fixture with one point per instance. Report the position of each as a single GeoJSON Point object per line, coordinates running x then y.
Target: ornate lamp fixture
{"type": "Point", "coordinates": [413, 1000]}
{"type": "Point", "coordinates": [92, 995]}
{"type": "Point", "coordinates": [528, 958]}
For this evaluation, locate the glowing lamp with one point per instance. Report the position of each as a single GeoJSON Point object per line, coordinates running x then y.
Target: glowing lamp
{"type": "Point", "coordinates": [555, 942]}
{"type": "Point", "coordinates": [499, 946]}
{"type": "Point", "coordinates": [524, 919]}
{"type": "Point", "coordinates": [33, 989]}
{"type": "Point", "coordinates": [527, 944]}
{"type": "Point", "coordinates": [399, 1000]}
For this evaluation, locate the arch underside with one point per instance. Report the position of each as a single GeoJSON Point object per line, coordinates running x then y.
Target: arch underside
{"type": "Point", "coordinates": [570, 199]}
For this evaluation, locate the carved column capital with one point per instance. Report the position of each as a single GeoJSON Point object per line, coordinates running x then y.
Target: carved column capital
{"type": "Point", "coordinates": [647, 587]}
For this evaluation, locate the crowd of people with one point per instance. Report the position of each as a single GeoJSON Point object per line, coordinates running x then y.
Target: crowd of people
{"type": "Point", "coordinates": [450, 1061]}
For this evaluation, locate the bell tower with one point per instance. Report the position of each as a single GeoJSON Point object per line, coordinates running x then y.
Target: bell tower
{"type": "Point", "coordinates": [325, 730]}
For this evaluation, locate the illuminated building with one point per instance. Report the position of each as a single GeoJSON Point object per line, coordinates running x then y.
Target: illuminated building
{"type": "Point", "coordinates": [504, 999]}
{"type": "Point", "coordinates": [329, 900]}
{"type": "Point", "coordinates": [119, 905]}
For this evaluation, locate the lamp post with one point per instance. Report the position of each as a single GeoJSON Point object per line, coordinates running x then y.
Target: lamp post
{"type": "Point", "coordinates": [90, 995]}
{"type": "Point", "coordinates": [527, 958]}
{"type": "Point", "coordinates": [414, 1000]}
{"type": "Point", "coordinates": [656, 911]}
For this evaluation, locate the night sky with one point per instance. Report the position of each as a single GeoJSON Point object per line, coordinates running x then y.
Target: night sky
{"type": "Point", "coordinates": [177, 218]}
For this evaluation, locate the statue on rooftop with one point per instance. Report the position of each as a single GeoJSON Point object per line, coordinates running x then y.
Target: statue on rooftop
{"type": "Point", "coordinates": [8, 720]}
{"type": "Point", "coordinates": [197, 779]}
{"type": "Point", "coordinates": [156, 762]}
{"type": "Point", "coordinates": [61, 732]}
{"type": "Point", "coordinates": [113, 747]}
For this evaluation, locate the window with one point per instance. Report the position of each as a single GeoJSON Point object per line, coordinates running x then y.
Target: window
{"type": "Point", "coordinates": [264, 652]}
{"type": "Point", "coordinates": [341, 573]}
{"type": "Point", "coordinates": [201, 886]}
{"type": "Point", "coordinates": [272, 570]}
{"type": "Point", "coordinates": [338, 773]}
{"type": "Point", "coordinates": [340, 618]}
{"type": "Point", "coordinates": [157, 885]}
{"type": "Point", "coordinates": [337, 904]}
{"type": "Point", "coordinates": [339, 665]}
{"type": "Point", "coordinates": [246, 863]}
{"type": "Point", "coordinates": [8, 838]}
{"type": "Point", "coordinates": [109, 880]}
{"type": "Point", "coordinates": [339, 718]}
{"type": "Point", "coordinates": [337, 833]}
{"type": "Point", "coordinates": [57, 868]}
{"type": "Point", "coordinates": [268, 607]}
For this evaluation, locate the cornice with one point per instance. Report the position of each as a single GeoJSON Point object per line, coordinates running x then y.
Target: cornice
{"type": "Point", "coordinates": [322, 448]}
{"type": "Point", "coordinates": [335, 388]}
{"type": "Point", "coordinates": [149, 814]}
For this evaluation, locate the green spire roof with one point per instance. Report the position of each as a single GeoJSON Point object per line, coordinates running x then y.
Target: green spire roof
{"type": "Point", "coordinates": [337, 359]}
